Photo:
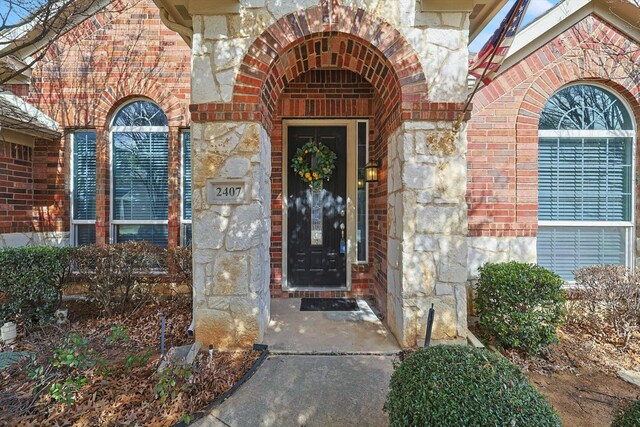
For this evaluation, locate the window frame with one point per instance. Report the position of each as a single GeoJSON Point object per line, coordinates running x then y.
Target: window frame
{"type": "Point", "coordinates": [183, 221]}
{"type": "Point", "coordinates": [113, 223]}
{"type": "Point", "coordinates": [629, 226]}
{"type": "Point", "coordinates": [73, 234]}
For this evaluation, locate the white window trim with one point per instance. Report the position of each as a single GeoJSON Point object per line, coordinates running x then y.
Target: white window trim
{"type": "Point", "coordinates": [548, 223]}
{"type": "Point", "coordinates": [630, 253]}
{"type": "Point", "coordinates": [139, 222]}
{"type": "Point", "coordinates": [183, 221]}
{"type": "Point", "coordinates": [366, 196]}
{"type": "Point", "coordinates": [73, 235]}
{"type": "Point", "coordinates": [558, 133]}
{"type": "Point", "coordinates": [133, 129]}
{"type": "Point", "coordinates": [113, 224]}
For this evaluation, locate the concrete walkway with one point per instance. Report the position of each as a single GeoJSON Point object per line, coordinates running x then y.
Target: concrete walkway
{"type": "Point", "coordinates": [306, 381]}
{"type": "Point", "coordinates": [293, 331]}
{"type": "Point", "coordinates": [310, 391]}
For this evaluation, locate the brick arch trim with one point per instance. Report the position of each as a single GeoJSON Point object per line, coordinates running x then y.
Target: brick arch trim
{"type": "Point", "coordinates": [113, 98]}
{"type": "Point", "coordinates": [551, 81]}
{"type": "Point", "coordinates": [595, 66]}
{"type": "Point", "coordinates": [332, 37]}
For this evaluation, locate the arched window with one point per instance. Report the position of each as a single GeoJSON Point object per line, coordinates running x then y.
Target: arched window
{"type": "Point", "coordinates": [585, 176]}
{"type": "Point", "coordinates": [140, 161]}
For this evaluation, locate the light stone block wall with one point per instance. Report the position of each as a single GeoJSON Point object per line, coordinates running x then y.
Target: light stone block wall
{"type": "Point", "coordinates": [427, 235]}
{"type": "Point", "coordinates": [220, 42]}
{"type": "Point", "coordinates": [231, 242]}
{"type": "Point", "coordinates": [427, 248]}
{"type": "Point", "coordinates": [499, 249]}
{"type": "Point", "coordinates": [14, 240]}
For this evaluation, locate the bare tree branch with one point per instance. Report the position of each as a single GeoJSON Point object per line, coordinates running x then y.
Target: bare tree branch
{"type": "Point", "coordinates": [28, 28]}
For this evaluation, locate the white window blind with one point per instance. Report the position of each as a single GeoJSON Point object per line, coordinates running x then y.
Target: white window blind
{"type": "Point", "coordinates": [562, 249]}
{"type": "Point", "coordinates": [186, 188]}
{"type": "Point", "coordinates": [140, 176]}
{"type": "Point", "coordinates": [84, 187]}
{"type": "Point", "coordinates": [584, 179]}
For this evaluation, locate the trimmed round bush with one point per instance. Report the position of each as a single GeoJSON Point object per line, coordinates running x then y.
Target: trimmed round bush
{"type": "Point", "coordinates": [521, 305]}
{"type": "Point", "coordinates": [629, 416]}
{"type": "Point", "coordinates": [464, 386]}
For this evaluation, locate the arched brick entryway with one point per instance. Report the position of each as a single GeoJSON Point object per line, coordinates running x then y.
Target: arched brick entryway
{"type": "Point", "coordinates": [417, 213]}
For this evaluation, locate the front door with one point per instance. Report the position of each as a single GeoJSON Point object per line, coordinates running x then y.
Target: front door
{"type": "Point", "coordinates": [316, 218]}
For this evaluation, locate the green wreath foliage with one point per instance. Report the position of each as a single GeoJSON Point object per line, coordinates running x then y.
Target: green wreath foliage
{"type": "Point", "coordinates": [314, 162]}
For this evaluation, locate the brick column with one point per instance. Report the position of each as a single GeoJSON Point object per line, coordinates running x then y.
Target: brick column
{"type": "Point", "coordinates": [103, 174]}
{"type": "Point", "coordinates": [174, 184]}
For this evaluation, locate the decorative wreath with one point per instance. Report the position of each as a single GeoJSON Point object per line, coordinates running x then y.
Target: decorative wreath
{"type": "Point", "coordinates": [314, 162]}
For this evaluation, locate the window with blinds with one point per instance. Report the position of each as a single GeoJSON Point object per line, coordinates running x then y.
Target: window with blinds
{"type": "Point", "coordinates": [140, 165]}
{"type": "Point", "coordinates": [585, 175]}
{"type": "Point", "coordinates": [84, 187]}
{"type": "Point", "coordinates": [584, 179]}
{"type": "Point", "coordinates": [186, 188]}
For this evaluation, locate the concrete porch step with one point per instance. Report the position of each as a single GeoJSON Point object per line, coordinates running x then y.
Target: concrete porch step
{"type": "Point", "coordinates": [292, 331]}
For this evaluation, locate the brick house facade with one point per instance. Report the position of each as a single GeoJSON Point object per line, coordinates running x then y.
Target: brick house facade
{"type": "Point", "coordinates": [240, 76]}
{"type": "Point", "coordinates": [121, 54]}
{"type": "Point", "coordinates": [593, 45]}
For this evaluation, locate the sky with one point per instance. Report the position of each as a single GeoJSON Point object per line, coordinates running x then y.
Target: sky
{"type": "Point", "coordinates": [536, 8]}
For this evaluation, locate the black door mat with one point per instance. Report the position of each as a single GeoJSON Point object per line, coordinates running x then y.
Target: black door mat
{"type": "Point", "coordinates": [329, 304]}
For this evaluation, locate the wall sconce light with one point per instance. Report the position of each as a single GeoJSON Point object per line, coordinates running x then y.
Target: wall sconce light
{"type": "Point", "coordinates": [371, 171]}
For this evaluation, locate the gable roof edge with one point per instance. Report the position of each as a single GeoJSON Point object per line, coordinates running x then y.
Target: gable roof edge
{"type": "Point", "coordinates": [557, 20]}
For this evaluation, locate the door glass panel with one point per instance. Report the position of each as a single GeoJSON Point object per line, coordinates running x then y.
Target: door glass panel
{"type": "Point", "coordinates": [361, 232]}
{"type": "Point", "coordinates": [316, 217]}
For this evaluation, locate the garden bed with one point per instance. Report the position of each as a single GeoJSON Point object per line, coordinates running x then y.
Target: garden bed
{"type": "Point", "coordinates": [579, 374]}
{"type": "Point", "coordinates": [120, 385]}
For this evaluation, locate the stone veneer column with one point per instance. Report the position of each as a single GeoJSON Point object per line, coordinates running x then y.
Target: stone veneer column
{"type": "Point", "coordinates": [427, 247]}
{"type": "Point", "coordinates": [231, 242]}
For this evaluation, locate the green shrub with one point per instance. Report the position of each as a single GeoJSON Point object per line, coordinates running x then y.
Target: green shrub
{"type": "Point", "coordinates": [521, 305]}
{"type": "Point", "coordinates": [121, 273]}
{"type": "Point", "coordinates": [31, 281]}
{"type": "Point", "coordinates": [628, 416]}
{"type": "Point", "coordinates": [464, 386]}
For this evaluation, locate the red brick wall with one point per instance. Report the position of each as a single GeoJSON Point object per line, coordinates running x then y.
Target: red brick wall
{"type": "Point", "coordinates": [50, 198]}
{"type": "Point", "coordinates": [122, 53]}
{"type": "Point", "coordinates": [502, 158]}
{"type": "Point", "coordinates": [16, 188]}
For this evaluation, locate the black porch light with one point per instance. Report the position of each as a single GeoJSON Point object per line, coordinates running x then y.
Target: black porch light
{"type": "Point", "coordinates": [371, 171]}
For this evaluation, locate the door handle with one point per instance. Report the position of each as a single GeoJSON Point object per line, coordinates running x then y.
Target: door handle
{"type": "Point", "coordinates": [342, 213]}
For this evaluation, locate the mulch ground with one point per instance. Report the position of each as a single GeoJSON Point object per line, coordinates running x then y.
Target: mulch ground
{"type": "Point", "coordinates": [579, 374]}
{"type": "Point", "coordinates": [124, 396]}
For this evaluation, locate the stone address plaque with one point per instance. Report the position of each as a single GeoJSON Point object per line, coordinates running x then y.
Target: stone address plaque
{"type": "Point", "coordinates": [222, 192]}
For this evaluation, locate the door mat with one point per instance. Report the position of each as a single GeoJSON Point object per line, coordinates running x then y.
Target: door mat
{"type": "Point", "coordinates": [329, 304]}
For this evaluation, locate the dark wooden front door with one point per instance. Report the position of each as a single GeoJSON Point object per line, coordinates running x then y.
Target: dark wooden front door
{"type": "Point", "coordinates": [317, 261]}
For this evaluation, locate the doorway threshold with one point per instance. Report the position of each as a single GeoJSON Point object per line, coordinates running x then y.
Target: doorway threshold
{"type": "Point", "coordinates": [318, 289]}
